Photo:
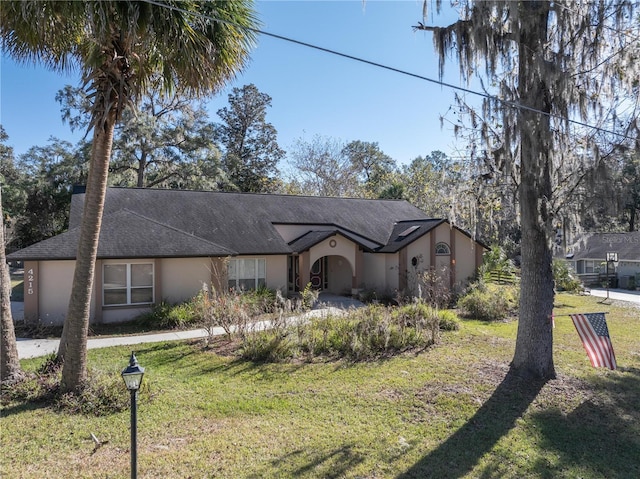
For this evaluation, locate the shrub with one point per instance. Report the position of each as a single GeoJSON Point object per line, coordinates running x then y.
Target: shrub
{"type": "Point", "coordinates": [360, 334]}
{"type": "Point", "coordinates": [171, 316]}
{"type": "Point", "coordinates": [269, 346]}
{"type": "Point", "coordinates": [226, 310]}
{"type": "Point", "coordinates": [102, 394]}
{"type": "Point", "coordinates": [434, 288]}
{"type": "Point", "coordinates": [309, 297]}
{"type": "Point", "coordinates": [564, 278]}
{"type": "Point", "coordinates": [489, 302]}
{"type": "Point", "coordinates": [448, 320]}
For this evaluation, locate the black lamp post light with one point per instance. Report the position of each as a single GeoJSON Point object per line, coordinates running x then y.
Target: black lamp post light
{"type": "Point", "coordinates": [132, 376]}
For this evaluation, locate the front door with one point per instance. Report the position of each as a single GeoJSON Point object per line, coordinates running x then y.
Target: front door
{"type": "Point", "coordinates": [318, 276]}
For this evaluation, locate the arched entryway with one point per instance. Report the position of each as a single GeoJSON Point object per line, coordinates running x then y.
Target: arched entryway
{"type": "Point", "coordinates": [332, 274]}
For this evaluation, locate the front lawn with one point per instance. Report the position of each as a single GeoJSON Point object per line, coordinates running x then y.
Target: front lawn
{"type": "Point", "coordinates": [450, 410]}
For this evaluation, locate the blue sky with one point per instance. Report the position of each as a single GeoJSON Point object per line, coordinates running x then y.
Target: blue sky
{"type": "Point", "coordinates": [313, 93]}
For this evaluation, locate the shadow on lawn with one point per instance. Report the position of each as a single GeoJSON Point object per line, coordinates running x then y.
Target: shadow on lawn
{"type": "Point", "coordinates": [459, 454]}
{"type": "Point", "coordinates": [601, 436]}
{"type": "Point", "coordinates": [332, 464]}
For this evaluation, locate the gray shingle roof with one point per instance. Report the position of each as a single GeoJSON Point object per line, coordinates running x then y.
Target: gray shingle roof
{"type": "Point", "coordinates": [152, 222]}
{"type": "Point", "coordinates": [597, 245]}
{"type": "Point", "coordinates": [406, 232]}
{"type": "Point", "coordinates": [310, 239]}
{"type": "Point", "coordinates": [126, 234]}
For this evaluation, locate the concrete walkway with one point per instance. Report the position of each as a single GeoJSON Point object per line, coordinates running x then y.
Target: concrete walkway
{"type": "Point", "coordinates": [32, 348]}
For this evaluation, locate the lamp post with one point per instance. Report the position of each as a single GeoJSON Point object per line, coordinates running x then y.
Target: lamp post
{"type": "Point", "coordinates": [132, 376]}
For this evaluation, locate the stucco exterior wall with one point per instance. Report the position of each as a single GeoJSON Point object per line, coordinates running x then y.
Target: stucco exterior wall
{"type": "Point", "coordinates": [465, 257]}
{"type": "Point", "coordinates": [339, 275]}
{"type": "Point", "coordinates": [343, 247]}
{"type": "Point", "coordinates": [392, 277]}
{"type": "Point", "coordinates": [277, 272]}
{"type": "Point", "coordinates": [183, 278]}
{"type": "Point", "coordinates": [374, 276]}
{"type": "Point", "coordinates": [55, 279]}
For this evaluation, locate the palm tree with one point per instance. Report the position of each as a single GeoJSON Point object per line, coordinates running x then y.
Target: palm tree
{"type": "Point", "coordinates": [119, 46]}
{"type": "Point", "coordinates": [9, 362]}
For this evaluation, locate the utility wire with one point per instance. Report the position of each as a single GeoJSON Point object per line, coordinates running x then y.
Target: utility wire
{"type": "Point", "coordinates": [509, 103]}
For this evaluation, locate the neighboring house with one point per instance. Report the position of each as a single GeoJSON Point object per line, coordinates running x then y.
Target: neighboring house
{"type": "Point", "coordinates": [588, 258]}
{"type": "Point", "coordinates": [167, 245]}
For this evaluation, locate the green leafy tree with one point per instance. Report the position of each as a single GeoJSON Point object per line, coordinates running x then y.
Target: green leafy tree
{"type": "Point", "coordinates": [431, 183]}
{"type": "Point", "coordinates": [373, 169]}
{"type": "Point", "coordinates": [50, 173]}
{"type": "Point", "coordinates": [550, 62]}
{"type": "Point", "coordinates": [120, 47]}
{"type": "Point", "coordinates": [250, 146]}
{"type": "Point", "coordinates": [162, 140]}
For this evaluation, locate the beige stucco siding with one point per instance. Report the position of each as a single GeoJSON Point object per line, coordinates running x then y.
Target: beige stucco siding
{"type": "Point", "coordinates": [341, 247]}
{"type": "Point", "coordinates": [183, 278]}
{"type": "Point", "coordinates": [375, 272]}
{"type": "Point", "coordinates": [339, 275]}
{"type": "Point", "coordinates": [277, 272]}
{"type": "Point", "coordinates": [392, 276]}
{"type": "Point", "coordinates": [465, 257]}
{"type": "Point", "coordinates": [419, 249]}
{"type": "Point", "coordinates": [55, 279]}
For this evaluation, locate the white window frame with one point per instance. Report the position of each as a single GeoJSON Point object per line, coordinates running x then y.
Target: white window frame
{"type": "Point", "coordinates": [128, 287]}
{"type": "Point", "coordinates": [233, 268]}
{"type": "Point", "coordinates": [591, 266]}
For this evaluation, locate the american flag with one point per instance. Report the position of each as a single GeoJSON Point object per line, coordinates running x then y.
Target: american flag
{"type": "Point", "coordinates": [593, 331]}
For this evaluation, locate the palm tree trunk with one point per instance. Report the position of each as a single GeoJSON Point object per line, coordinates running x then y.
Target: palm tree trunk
{"type": "Point", "coordinates": [73, 344]}
{"type": "Point", "coordinates": [9, 361]}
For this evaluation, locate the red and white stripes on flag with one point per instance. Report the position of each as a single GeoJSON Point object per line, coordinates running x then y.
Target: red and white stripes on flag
{"type": "Point", "coordinates": [593, 331]}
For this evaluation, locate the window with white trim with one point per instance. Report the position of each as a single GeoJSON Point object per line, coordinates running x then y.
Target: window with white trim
{"type": "Point", "coordinates": [442, 248]}
{"type": "Point", "coordinates": [591, 266]}
{"type": "Point", "coordinates": [247, 273]}
{"type": "Point", "coordinates": [127, 283]}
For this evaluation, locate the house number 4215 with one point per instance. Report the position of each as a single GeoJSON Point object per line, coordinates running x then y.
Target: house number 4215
{"type": "Point", "coordinates": [30, 279]}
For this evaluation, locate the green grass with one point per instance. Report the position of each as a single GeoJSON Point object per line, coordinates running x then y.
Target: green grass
{"type": "Point", "coordinates": [17, 287]}
{"type": "Point", "coordinates": [448, 411]}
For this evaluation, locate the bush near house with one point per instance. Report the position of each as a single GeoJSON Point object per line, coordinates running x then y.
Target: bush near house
{"type": "Point", "coordinates": [564, 278]}
{"type": "Point", "coordinates": [358, 335]}
{"type": "Point", "coordinates": [489, 301]}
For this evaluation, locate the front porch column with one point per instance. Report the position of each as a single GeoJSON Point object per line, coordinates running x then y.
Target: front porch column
{"type": "Point", "coordinates": [356, 279]}
{"type": "Point", "coordinates": [305, 269]}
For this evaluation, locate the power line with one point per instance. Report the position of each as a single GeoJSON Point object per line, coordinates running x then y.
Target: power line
{"type": "Point", "coordinates": [508, 103]}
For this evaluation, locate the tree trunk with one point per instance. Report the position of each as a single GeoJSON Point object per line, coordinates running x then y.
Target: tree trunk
{"type": "Point", "coordinates": [9, 362]}
{"type": "Point", "coordinates": [534, 344]}
{"type": "Point", "coordinates": [73, 344]}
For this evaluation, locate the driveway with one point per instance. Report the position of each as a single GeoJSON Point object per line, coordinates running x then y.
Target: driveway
{"type": "Point", "coordinates": [17, 310]}
{"type": "Point", "coordinates": [618, 295]}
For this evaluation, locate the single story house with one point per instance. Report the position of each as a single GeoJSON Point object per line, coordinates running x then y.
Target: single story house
{"type": "Point", "coordinates": [167, 245]}
{"type": "Point", "coordinates": [588, 258]}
